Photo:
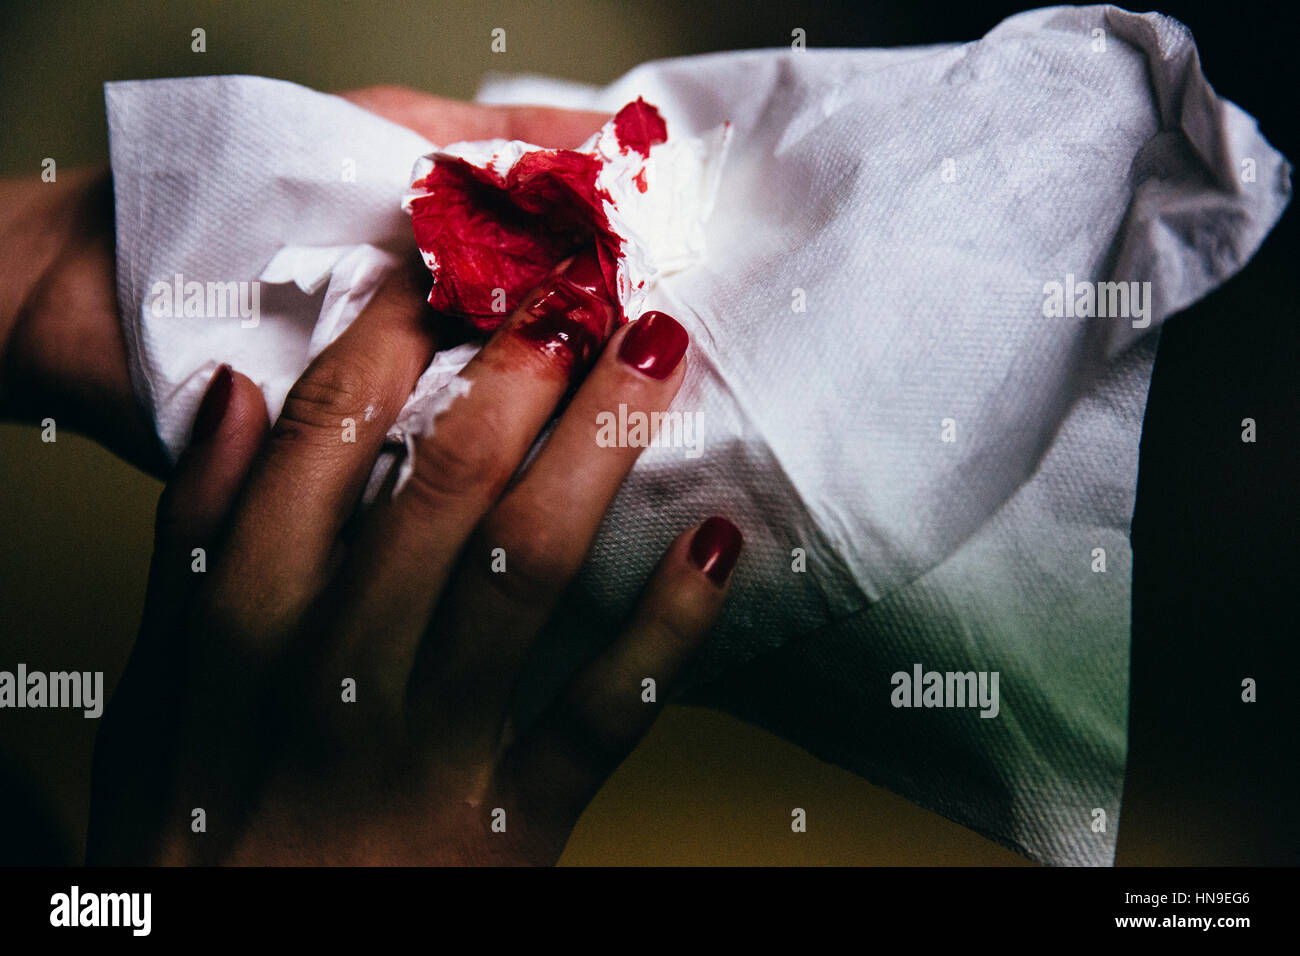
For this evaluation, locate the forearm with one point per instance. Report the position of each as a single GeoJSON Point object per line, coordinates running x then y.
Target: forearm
{"type": "Point", "coordinates": [62, 353]}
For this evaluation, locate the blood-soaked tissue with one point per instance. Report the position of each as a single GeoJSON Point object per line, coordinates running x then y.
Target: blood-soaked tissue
{"type": "Point", "coordinates": [493, 219]}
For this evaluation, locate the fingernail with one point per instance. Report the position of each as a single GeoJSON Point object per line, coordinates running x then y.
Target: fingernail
{"type": "Point", "coordinates": [566, 324]}
{"type": "Point", "coordinates": [572, 314]}
{"type": "Point", "coordinates": [654, 345]}
{"type": "Point", "coordinates": [213, 407]}
{"type": "Point", "coordinates": [715, 548]}
{"type": "Point", "coordinates": [584, 271]}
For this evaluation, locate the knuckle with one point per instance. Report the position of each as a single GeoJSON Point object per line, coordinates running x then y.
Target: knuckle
{"type": "Point", "coordinates": [680, 626]}
{"type": "Point", "coordinates": [539, 555]}
{"type": "Point", "coordinates": [328, 392]}
{"type": "Point", "coordinates": [445, 468]}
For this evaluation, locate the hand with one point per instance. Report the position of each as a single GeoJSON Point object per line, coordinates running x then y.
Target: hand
{"type": "Point", "coordinates": [62, 354]}
{"type": "Point", "coordinates": [337, 691]}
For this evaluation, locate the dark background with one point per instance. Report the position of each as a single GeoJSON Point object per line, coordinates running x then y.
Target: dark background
{"type": "Point", "coordinates": [1210, 780]}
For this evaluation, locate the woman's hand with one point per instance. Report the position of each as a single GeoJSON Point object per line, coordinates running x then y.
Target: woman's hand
{"type": "Point", "coordinates": [334, 687]}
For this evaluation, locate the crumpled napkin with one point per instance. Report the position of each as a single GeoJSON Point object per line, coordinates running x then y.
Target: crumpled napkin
{"type": "Point", "coordinates": [916, 397]}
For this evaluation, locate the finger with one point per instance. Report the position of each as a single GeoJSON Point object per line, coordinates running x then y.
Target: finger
{"type": "Point", "coordinates": [403, 554]}
{"type": "Point", "coordinates": [550, 126]}
{"type": "Point", "coordinates": [310, 474]}
{"type": "Point", "coordinates": [443, 121]}
{"type": "Point", "coordinates": [229, 428]}
{"type": "Point", "coordinates": [556, 769]}
{"type": "Point", "coordinates": [543, 528]}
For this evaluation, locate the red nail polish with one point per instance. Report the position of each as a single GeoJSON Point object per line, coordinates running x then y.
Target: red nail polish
{"type": "Point", "coordinates": [213, 407]}
{"type": "Point", "coordinates": [715, 548]}
{"type": "Point", "coordinates": [654, 345]}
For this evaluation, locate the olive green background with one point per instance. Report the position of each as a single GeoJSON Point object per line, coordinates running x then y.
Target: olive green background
{"type": "Point", "coordinates": [74, 549]}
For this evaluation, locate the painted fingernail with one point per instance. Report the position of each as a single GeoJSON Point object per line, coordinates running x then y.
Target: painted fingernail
{"type": "Point", "coordinates": [213, 407]}
{"type": "Point", "coordinates": [715, 548]}
{"type": "Point", "coordinates": [654, 345]}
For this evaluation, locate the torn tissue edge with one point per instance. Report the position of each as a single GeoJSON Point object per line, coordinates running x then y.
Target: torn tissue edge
{"type": "Point", "coordinates": [420, 421]}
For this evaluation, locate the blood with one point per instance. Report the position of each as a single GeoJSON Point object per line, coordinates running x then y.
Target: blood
{"type": "Point", "coordinates": [639, 126]}
{"type": "Point", "coordinates": [571, 337]}
{"type": "Point", "coordinates": [493, 237]}
{"type": "Point", "coordinates": [488, 232]}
